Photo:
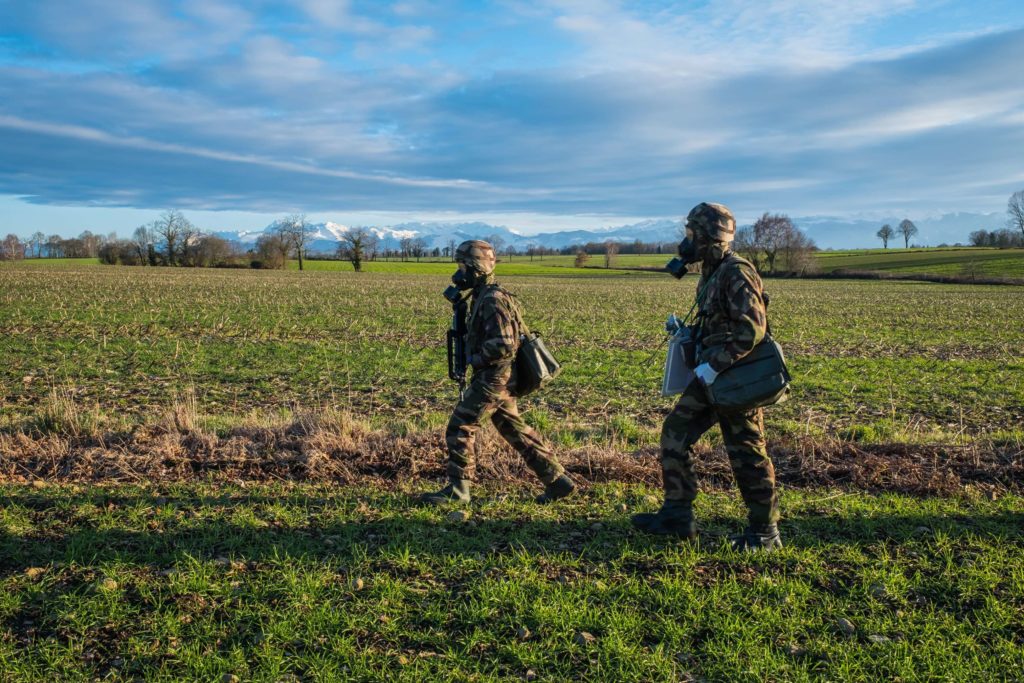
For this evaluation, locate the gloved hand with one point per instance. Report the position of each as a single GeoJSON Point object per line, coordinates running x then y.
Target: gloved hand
{"type": "Point", "coordinates": [477, 361]}
{"type": "Point", "coordinates": [706, 374]}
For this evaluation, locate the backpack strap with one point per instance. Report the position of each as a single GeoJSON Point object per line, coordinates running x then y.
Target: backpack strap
{"type": "Point", "coordinates": [517, 310]}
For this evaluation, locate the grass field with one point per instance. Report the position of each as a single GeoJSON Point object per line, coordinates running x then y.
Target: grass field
{"type": "Point", "coordinates": [205, 387]}
{"type": "Point", "coordinates": [949, 261]}
{"type": "Point", "coordinates": [966, 262]}
{"type": "Point", "coordinates": [879, 360]}
{"type": "Point", "coordinates": [314, 583]}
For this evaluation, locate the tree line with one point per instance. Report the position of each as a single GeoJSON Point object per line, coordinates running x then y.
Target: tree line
{"type": "Point", "coordinates": [173, 240]}
{"type": "Point", "coordinates": [86, 245]}
{"type": "Point", "coordinates": [773, 244]}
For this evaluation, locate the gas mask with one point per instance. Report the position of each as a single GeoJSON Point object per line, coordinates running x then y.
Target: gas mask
{"type": "Point", "coordinates": [464, 278]}
{"type": "Point", "coordinates": [691, 250]}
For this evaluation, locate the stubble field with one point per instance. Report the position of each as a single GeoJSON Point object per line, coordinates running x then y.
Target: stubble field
{"type": "Point", "coordinates": [157, 410]}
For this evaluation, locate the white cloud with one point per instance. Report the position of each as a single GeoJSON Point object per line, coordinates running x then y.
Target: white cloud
{"type": "Point", "coordinates": [657, 109]}
{"type": "Point", "coordinates": [92, 135]}
{"type": "Point", "coordinates": [724, 36]}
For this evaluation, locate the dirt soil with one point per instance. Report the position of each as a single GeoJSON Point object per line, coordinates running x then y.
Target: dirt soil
{"type": "Point", "coordinates": [310, 449]}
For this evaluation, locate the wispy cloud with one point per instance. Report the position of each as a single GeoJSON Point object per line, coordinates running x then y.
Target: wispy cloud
{"type": "Point", "coordinates": [640, 109]}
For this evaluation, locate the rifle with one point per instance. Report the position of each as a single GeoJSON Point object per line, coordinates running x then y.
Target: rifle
{"type": "Point", "coordinates": [457, 354]}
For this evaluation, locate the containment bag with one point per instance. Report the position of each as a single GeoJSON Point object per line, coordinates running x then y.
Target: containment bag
{"type": "Point", "coordinates": [534, 365]}
{"type": "Point", "coordinates": [679, 363]}
{"type": "Point", "coordinates": [759, 379]}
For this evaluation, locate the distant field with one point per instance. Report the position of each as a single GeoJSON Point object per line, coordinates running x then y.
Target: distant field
{"type": "Point", "coordinates": [62, 262]}
{"type": "Point", "coordinates": [953, 261]}
{"type": "Point", "coordinates": [561, 266]}
{"type": "Point", "coordinates": [965, 262]}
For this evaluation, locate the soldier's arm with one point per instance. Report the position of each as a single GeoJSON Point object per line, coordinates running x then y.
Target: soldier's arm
{"type": "Point", "coordinates": [499, 337]}
{"type": "Point", "coordinates": [746, 311]}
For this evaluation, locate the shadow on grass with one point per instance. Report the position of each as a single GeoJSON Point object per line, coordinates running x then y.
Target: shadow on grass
{"type": "Point", "coordinates": [243, 527]}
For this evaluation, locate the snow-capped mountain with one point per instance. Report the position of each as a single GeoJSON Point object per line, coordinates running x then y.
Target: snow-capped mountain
{"type": "Point", "coordinates": [827, 232]}
{"type": "Point", "coordinates": [326, 236]}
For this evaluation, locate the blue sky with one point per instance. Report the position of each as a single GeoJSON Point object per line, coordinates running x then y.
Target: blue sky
{"type": "Point", "coordinates": [538, 115]}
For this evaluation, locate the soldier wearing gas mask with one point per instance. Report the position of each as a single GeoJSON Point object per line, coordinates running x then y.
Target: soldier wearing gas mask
{"type": "Point", "coordinates": [731, 321]}
{"type": "Point", "coordinates": [494, 329]}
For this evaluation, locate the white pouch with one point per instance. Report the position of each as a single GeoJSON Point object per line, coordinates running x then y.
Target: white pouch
{"type": "Point", "coordinates": [677, 375]}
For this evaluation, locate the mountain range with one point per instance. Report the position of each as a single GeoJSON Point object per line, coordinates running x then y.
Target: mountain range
{"type": "Point", "coordinates": [827, 232]}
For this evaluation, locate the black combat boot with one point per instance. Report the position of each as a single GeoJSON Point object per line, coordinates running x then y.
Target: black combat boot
{"type": "Point", "coordinates": [675, 518]}
{"type": "Point", "coordinates": [757, 537]}
{"type": "Point", "coordinates": [556, 490]}
{"type": "Point", "coordinates": [457, 491]}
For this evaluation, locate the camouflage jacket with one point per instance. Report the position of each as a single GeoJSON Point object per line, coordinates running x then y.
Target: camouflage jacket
{"type": "Point", "coordinates": [732, 318]}
{"type": "Point", "coordinates": [495, 323]}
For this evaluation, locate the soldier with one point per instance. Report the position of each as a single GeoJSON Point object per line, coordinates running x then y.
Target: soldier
{"type": "Point", "coordinates": [731, 321]}
{"type": "Point", "coordinates": [495, 324]}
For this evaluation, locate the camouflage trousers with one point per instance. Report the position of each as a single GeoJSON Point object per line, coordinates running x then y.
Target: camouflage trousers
{"type": "Point", "coordinates": [743, 434]}
{"type": "Point", "coordinates": [488, 392]}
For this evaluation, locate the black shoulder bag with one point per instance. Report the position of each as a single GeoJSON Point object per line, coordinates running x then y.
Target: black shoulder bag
{"type": "Point", "coordinates": [534, 366]}
{"type": "Point", "coordinates": [759, 379]}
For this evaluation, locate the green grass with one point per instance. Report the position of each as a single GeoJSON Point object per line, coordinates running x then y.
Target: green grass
{"type": "Point", "coordinates": [946, 261]}
{"type": "Point", "coordinates": [937, 362]}
{"type": "Point", "coordinates": [959, 261]}
{"type": "Point", "coordinates": [550, 266]}
{"type": "Point", "coordinates": [315, 583]}
{"type": "Point", "coordinates": [61, 262]}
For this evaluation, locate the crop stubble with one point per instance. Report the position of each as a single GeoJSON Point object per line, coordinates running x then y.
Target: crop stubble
{"type": "Point", "coordinates": [902, 357]}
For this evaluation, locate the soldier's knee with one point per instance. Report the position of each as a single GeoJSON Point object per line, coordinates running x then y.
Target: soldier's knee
{"type": "Point", "coordinates": [453, 429]}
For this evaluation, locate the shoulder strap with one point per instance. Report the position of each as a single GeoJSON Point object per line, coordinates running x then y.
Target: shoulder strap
{"type": "Point", "coordinates": [697, 303]}
{"type": "Point", "coordinates": [517, 311]}
{"type": "Point", "coordinates": [736, 258]}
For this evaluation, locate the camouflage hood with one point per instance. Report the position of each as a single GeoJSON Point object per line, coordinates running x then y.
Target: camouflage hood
{"type": "Point", "coordinates": [477, 255]}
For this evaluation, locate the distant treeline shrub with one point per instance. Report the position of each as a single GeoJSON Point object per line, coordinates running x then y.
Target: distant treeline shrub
{"type": "Point", "coordinates": [1003, 239]}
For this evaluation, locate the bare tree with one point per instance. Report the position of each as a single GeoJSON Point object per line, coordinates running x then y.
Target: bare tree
{"type": "Point", "coordinates": [90, 244]}
{"type": "Point", "coordinates": [298, 233]}
{"type": "Point", "coordinates": [38, 241]}
{"type": "Point", "coordinates": [1001, 239]}
{"type": "Point", "coordinates": [451, 249]}
{"type": "Point", "coordinates": [798, 252]}
{"type": "Point", "coordinates": [611, 253]}
{"type": "Point", "coordinates": [352, 247]}
{"type": "Point", "coordinates": [271, 251]}
{"type": "Point", "coordinates": [907, 229]}
{"type": "Point", "coordinates": [143, 238]}
{"type": "Point", "coordinates": [172, 227]}
{"type": "Point", "coordinates": [581, 258]}
{"type": "Point", "coordinates": [405, 245]}
{"type": "Point", "coordinates": [885, 233]}
{"type": "Point", "coordinates": [190, 237]}
{"type": "Point", "coordinates": [11, 249]}
{"type": "Point", "coordinates": [372, 244]}
{"type": "Point", "coordinates": [771, 231]}
{"type": "Point", "coordinates": [55, 246]}
{"type": "Point", "coordinates": [419, 247]}
{"type": "Point", "coordinates": [1015, 210]}
{"type": "Point", "coordinates": [745, 245]}
{"type": "Point", "coordinates": [210, 251]}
